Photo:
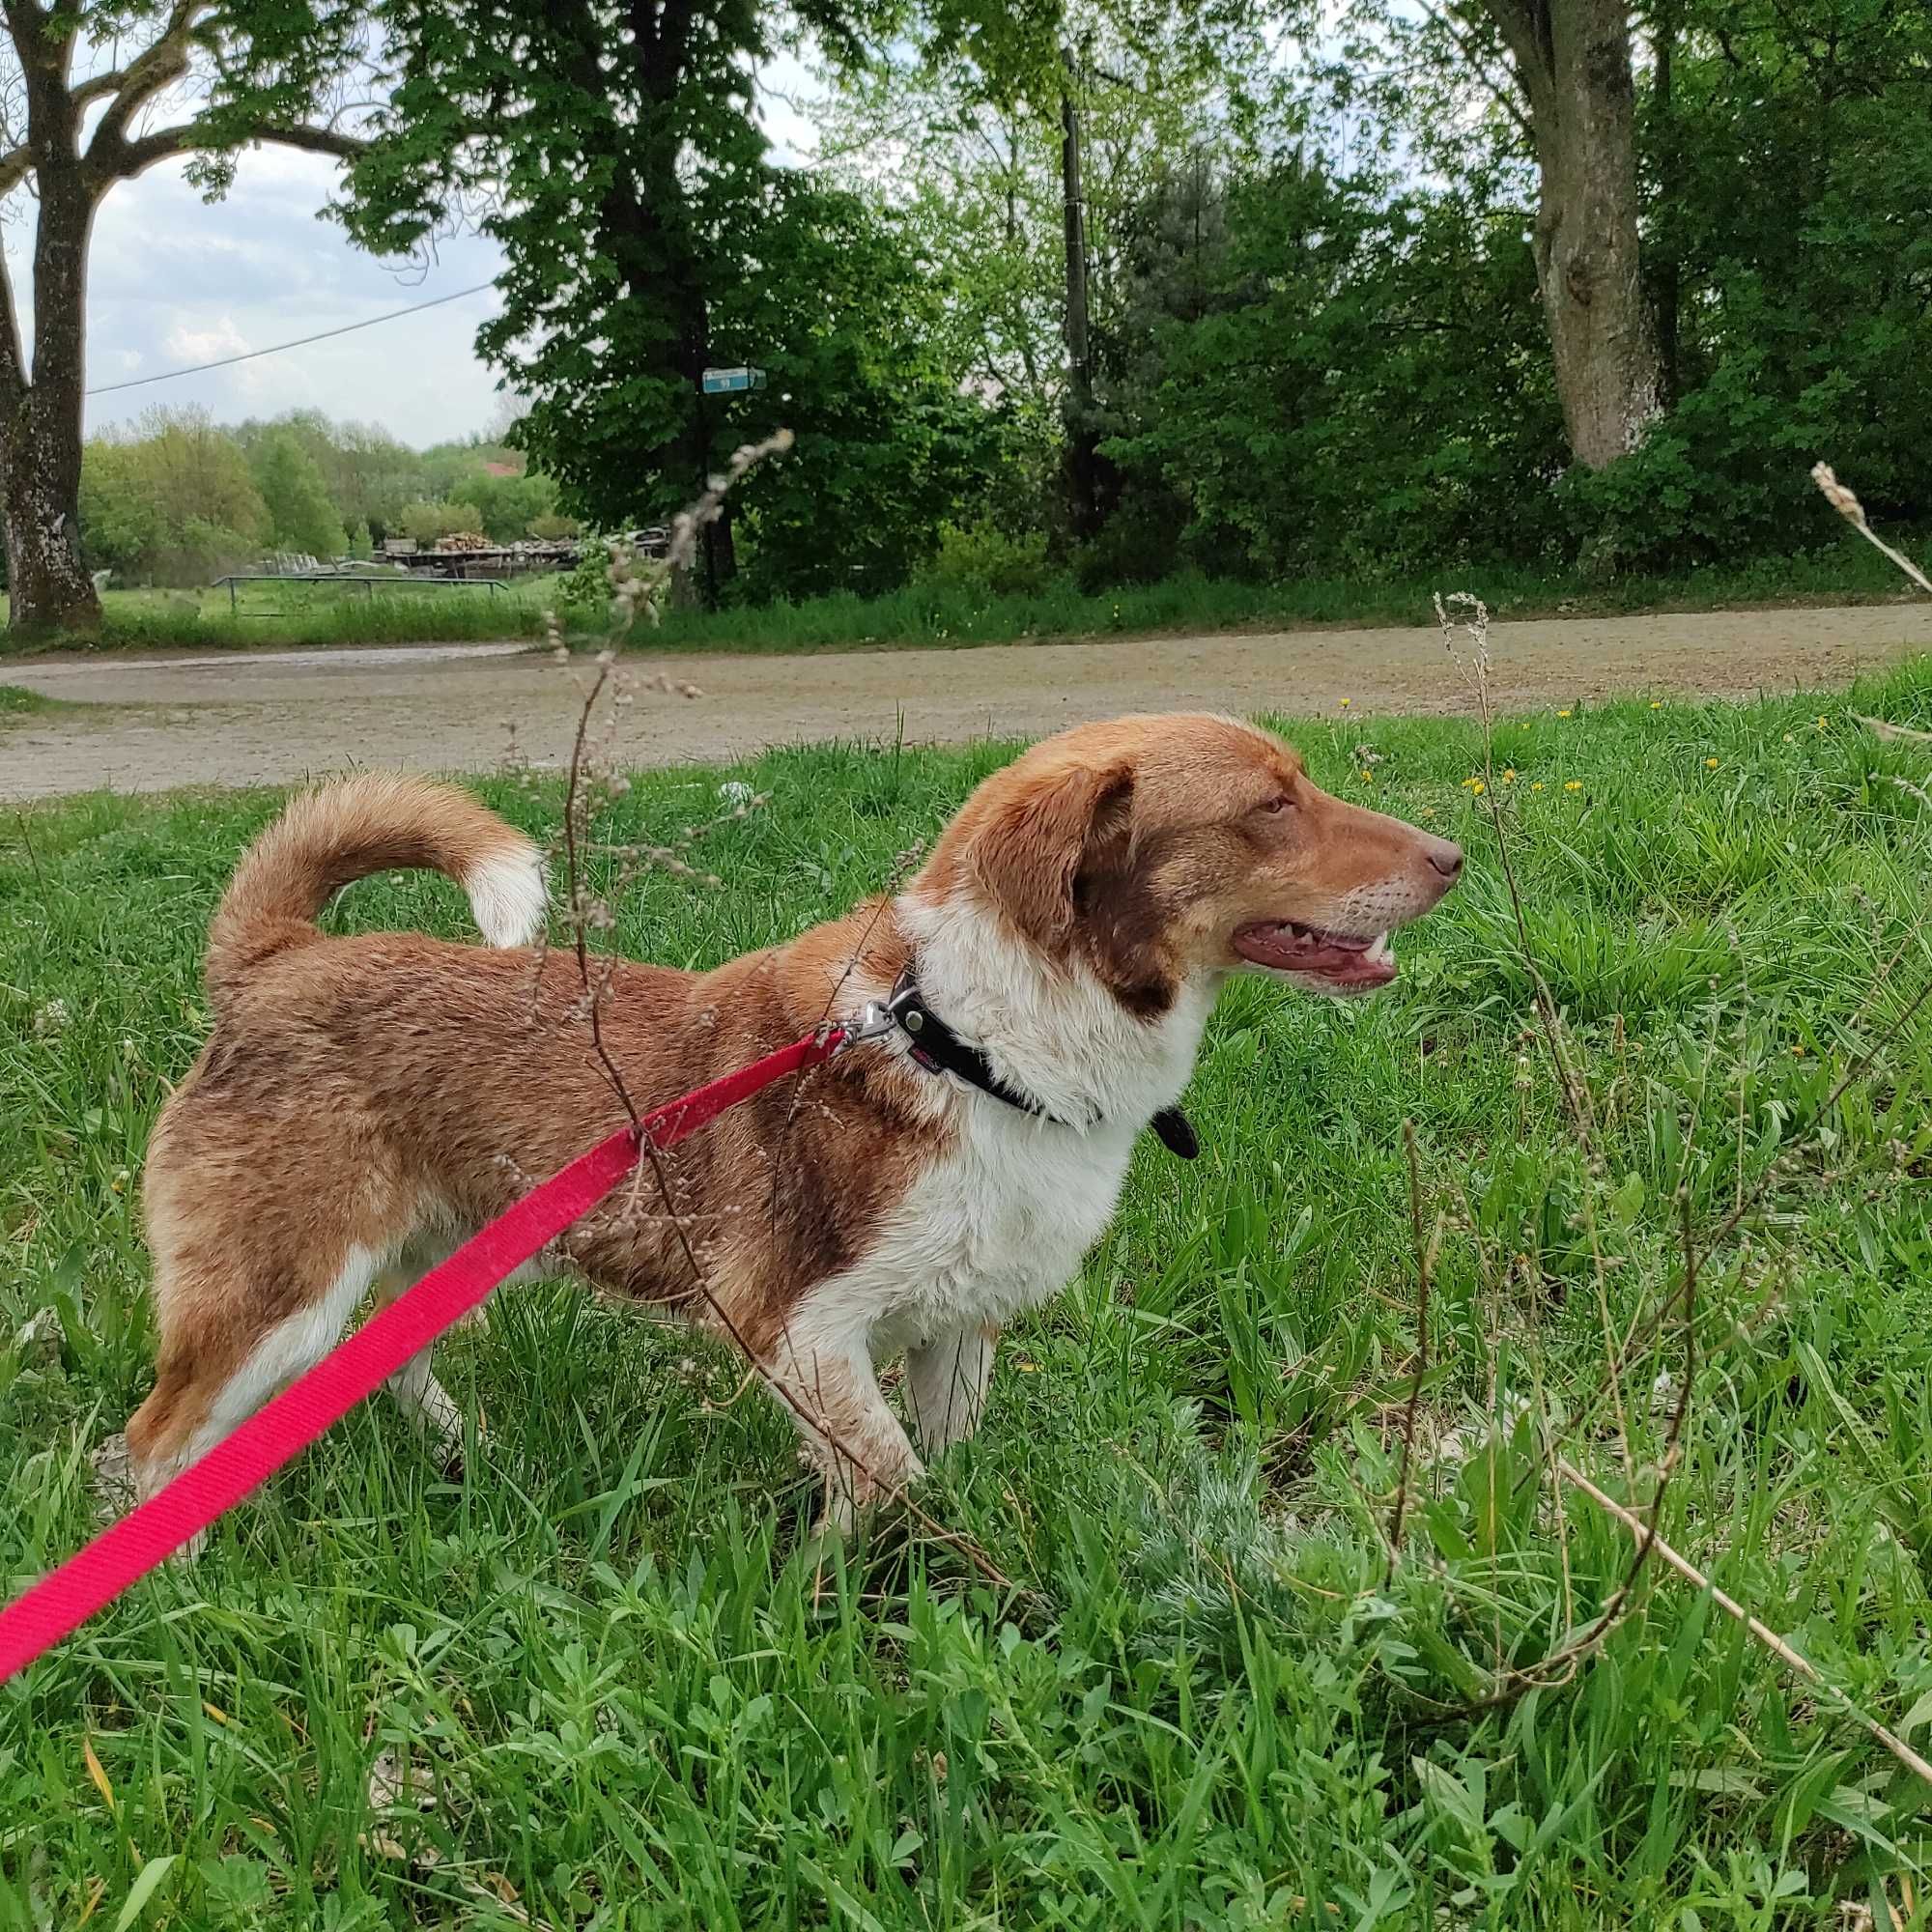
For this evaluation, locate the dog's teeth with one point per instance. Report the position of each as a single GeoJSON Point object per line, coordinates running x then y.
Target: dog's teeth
{"type": "Point", "coordinates": [1380, 948]}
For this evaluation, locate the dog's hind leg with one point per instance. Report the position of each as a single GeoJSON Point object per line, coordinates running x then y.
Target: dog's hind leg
{"type": "Point", "coordinates": [416, 1391]}
{"type": "Point", "coordinates": [217, 1368]}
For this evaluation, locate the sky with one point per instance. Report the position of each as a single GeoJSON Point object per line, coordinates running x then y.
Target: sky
{"type": "Point", "coordinates": [175, 281]}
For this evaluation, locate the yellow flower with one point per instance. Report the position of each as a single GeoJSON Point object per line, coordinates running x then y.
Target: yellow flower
{"type": "Point", "coordinates": [1477, 787]}
{"type": "Point", "coordinates": [1657, 704]}
{"type": "Point", "coordinates": [1536, 784]}
{"type": "Point", "coordinates": [1368, 777]}
{"type": "Point", "coordinates": [1563, 714]}
{"type": "Point", "coordinates": [1509, 775]}
{"type": "Point", "coordinates": [1573, 784]}
{"type": "Point", "coordinates": [1799, 1049]}
{"type": "Point", "coordinates": [1821, 724]}
{"type": "Point", "coordinates": [1710, 765]}
{"type": "Point", "coordinates": [1346, 702]}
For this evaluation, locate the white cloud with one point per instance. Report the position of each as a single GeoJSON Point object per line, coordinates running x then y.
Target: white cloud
{"type": "Point", "coordinates": [206, 345]}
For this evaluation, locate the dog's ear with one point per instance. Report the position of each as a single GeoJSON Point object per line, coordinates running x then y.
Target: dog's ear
{"type": "Point", "coordinates": [1029, 856]}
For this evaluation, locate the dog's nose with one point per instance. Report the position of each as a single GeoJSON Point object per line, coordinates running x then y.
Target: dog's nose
{"type": "Point", "coordinates": [1445, 856]}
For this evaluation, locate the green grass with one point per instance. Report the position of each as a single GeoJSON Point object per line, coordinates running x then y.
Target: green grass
{"type": "Point", "coordinates": [312, 614]}
{"type": "Point", "coordinates": [954, 615]}
{"type": "Point", "coordinates": [16, 701]}
{"type": "Point", "coordinates": [1209, 1706]}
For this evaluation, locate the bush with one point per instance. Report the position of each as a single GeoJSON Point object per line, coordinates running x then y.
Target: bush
{"type": "Point", "coordinates": [426, 522]}
{"type": "Point", "coordinates": [586, 590]}
{"type": "Point", "coordinates": [985, 557]}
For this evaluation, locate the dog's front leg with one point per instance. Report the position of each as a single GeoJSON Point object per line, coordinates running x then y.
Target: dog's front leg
{"type": "Point", "coordinates": [945, 1383]}
{"type": "Point", "coordinates": [826, 1378]}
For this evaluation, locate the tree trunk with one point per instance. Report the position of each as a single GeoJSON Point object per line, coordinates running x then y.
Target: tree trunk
{"type": "Point", "coordinates": [1573, 61]}
{"type": "Point", "coordinates": [48, 587]}
{"type": "Point", "coordinates": [1083, 439]}
{"type": "Point", "coordinates": [1665, 280]}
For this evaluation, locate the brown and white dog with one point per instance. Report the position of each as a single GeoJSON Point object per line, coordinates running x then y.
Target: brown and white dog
{"type": "Point", "coordinates": [365, 1103]}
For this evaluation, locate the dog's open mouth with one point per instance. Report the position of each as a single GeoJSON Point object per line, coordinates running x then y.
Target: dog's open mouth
{"type": "Point", "coordinates": [1340, 958]}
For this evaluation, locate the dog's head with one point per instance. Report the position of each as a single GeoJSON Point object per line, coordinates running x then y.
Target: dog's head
{"type": "Point", "coordinates": [1161, 849]}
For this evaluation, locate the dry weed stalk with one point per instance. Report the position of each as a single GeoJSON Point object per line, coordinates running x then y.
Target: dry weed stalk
{"type": "Point", "coordinates": [1853, 511]}
{"type": "Point", "coordinates": [1475, 667]}
{"type": "Point", "coordinates": [1425, 1270]}
{"type": "Point", "coordinates": [1778, 1646]}
{"type": "Point", "coordinates": [638, 587]}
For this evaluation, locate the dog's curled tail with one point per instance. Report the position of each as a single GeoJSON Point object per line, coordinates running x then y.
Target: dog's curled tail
{"type": "Point", "coordinates": [380, 822]}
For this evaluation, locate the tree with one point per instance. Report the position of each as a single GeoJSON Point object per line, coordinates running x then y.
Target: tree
{"type": "Point", "coordinates": [1572, 61]}
{"type": "Point", "coordinates": [164, 502]}
{"type": "Point", "coordinates": [1014, 140]}
{"type": "Point", "coordinates": [301, 515]}
{"type": "Point", "coordinates": [616, 156]}
{"type": "Point", "coordinates": [85, 93]}
{"type": "Point", "coordinates": [890, 445]}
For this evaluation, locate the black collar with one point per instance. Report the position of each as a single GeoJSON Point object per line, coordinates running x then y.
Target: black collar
{"type": "Point", "coordinates": [937, 1048]}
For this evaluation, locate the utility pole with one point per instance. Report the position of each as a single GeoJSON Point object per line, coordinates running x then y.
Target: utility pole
{"type": "Point", "coordinates": [1082, 433]}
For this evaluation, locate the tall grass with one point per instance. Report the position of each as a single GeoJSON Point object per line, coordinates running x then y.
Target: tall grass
{"type": "Point", "coordinates": [954, 614]}
{"type": "Point", "coordinates": [602, 1680]}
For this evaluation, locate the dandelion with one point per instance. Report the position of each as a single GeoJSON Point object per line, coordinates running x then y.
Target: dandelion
{"type": "Point", "coordinates": [1536, 784]}
{"type": "Point", "coordinates": [1710, 765]}
{"type": "Point", "coordinates": [1509, 775]}
{"type": "Point", "coordinates": [1347, 702]}
{"type": "Point", "coordinates": [1657, 704]}
{"type": "Point", "coordinates": [1821, 722]}
{"type": "Point", "coordinates": [1368, 777]}
{"type": "Point", "coordinates": [1563, 714]}
{"type": "Point", "coordinates": [1478, 787]}
{"type": "Point", "coordinates": [1573, 784]}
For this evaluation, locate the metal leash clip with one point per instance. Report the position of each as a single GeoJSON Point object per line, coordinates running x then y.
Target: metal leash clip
{"type": "Point", "coordinates": [874, 1022]}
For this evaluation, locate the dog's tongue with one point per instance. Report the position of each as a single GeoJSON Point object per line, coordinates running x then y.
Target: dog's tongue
{"type": "Point", "coordinates": [1301, 948]}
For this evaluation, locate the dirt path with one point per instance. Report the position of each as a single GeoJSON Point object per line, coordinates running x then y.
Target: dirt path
{"type": "Point", "coordinates": [145, 723]}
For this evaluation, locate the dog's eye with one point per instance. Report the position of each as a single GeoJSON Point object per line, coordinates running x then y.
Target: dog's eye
{"type": "Point", "coordinates": [1281, 802]}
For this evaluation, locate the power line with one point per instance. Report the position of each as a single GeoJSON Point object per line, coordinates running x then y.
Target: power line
{"type": "Point", "coordinates": [301, 342]}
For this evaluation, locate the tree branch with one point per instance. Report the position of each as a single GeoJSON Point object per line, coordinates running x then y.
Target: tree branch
{"type": "Point", "coordinates": [98, 87]}
{"type": "Point", "coordinates": [189, 137]}
{"type": "Point", "coordinates": [1479, 64]}
{"type": "Point", "coordinates": [158, 65]}
{"type": "Point", "coordinates": [15, 168]}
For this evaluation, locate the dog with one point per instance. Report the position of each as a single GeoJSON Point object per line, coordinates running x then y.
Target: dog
{"type": "Point", "coordinates": [1038, 993]}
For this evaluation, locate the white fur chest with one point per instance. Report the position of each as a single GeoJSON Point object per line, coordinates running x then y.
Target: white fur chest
{"type": "Point", "coordinates": [1000, 1222]}
{"type": "Point", "coordinates": [996, 1227]}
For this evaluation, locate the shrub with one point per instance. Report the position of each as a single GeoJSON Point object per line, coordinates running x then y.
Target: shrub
{"type": "Point", "coordinates": [426, 522]}
{"type": "Point", "coordinates": [985, 557]}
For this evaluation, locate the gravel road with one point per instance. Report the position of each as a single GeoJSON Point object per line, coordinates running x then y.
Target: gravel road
{"type": "Point", "coordinates": [142, 722]}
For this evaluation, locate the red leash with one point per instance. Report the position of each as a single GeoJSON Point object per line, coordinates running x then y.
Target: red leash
{"type": "Point", "coordinates": [355, 1367]}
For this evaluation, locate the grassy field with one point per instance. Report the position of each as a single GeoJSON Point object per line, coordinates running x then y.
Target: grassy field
{"type": "Point", "coordinates": [315, 614]}
{"type": "Point", "coordinates": [955, 614]}
{"type": "Point", "coordinates": [629, 1695]}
